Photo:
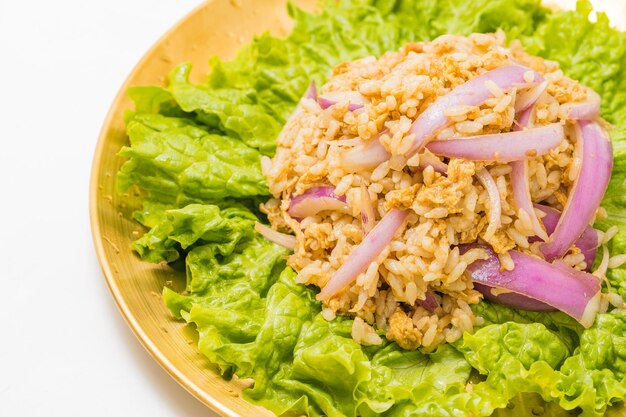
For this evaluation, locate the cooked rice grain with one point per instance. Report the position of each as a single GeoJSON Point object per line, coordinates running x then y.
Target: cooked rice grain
{"type": "Point", "coordinates": [446, 209]}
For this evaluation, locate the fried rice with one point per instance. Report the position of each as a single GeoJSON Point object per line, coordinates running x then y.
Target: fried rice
{"type": "Point", "coordinates": [446, 209]}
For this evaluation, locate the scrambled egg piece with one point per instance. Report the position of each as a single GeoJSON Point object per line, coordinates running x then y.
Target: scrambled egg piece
{"type": "Point", "coordinates": [566, 90]}
{"type": "Point", "coordinates": [402, 331]}
{"type": "Point", "coordinates": [275, 215]}
{"type": "Point", "coordinates": [402, 198]}
{"type": "Point", "coordinates": [310, 179]}
{"type": "Point", "coordinates": [448, 192]}
{"type": "Point", "coordinates": [470, 235]}
{"type": "Point", "coordinates": [460, 170]}
{"type": "Point", "coordinates": [442, 193]}
{"type": "Point", "coordinates": [319, 237]}
{"type": "Point", "coordinates": [500, 241]}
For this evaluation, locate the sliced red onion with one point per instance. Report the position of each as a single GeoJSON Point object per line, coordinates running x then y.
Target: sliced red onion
{"type": "Point", "coordinates": [520, 185]}
{"type": "Point", "coordinates": [314, 200]}
{"type": "Point", "coordinates": [281, 239]}
{"type": "Point", "coordinates": [586, 110]}
{"type": "Point", "coordinates": [587, 288]}
{"type": "Point", "coordinates": [372, 154]}
{"type": "Point", "coordinates": [355, 99]}
{"type": "Point", "coordinates": [311, 91]}
{"type": "Point", "coordinates": [587, 242]}
{"type": "Point", "coordinates": [471, 93]}
{"type": "Point", "coordinates": [587, 191]}
{"type": "Point", "coordinates": [429, 302]}
{"type": "Point", "coordinates": [521, 194]}
{"type": "Point", "coordinates": [365, 157]}
{"type": "Point", "coordinates": [511, 299]}
{"type": "Point", "coordinates": [575, 293]}
{"type": "Point", "coordinates": [362, 255]}
{"type": "Point", "coordinates": [367, 211]}
{"type": "Point", "coordinates": [495, 211]}
{"type": "Point", "coordinates": [525, 119]}
{"type": "Point", "coordinates": [503, 147]}
{"type": "Point", "coordinates": [530, 97]}
{"type": "Point", "coordinates": [577, 155]}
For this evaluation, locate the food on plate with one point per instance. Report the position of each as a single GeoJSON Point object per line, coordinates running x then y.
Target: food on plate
{"type": "Point", "coordinates": [400, 209]}
{"type": "Point", "coordinates": [401, 174]}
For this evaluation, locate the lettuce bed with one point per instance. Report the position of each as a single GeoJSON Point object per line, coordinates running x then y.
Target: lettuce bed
{"type": "Point", "coordinates": [195, 153]}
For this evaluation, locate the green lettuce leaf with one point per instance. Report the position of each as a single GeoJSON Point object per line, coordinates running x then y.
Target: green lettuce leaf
{"type": "Point", "coordinates": [176, 161]}
{"type": "Point", "coordinates": [228, 326]}
{"type": "Point", "coordinates": [155, 100]}
{"type": "Point", "coordinates": [234, 111]}
{"type": "Point", "coordinates": [530, 358]}
{"type": "Point", "coordinates": [564, 326]}
{"type": "Point", "coordinates": [182, 228]}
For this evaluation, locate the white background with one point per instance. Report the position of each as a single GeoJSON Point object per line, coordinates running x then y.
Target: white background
{"type": "Point", "coordinates": [64, 348]}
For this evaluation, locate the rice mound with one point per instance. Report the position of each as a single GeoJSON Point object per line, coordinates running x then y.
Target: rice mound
{"type": "Point", "coordinates": [445, 209]}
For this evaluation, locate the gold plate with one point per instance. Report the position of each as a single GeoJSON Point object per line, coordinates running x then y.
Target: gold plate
{"type": "Point", "coordinates": [218, 27]}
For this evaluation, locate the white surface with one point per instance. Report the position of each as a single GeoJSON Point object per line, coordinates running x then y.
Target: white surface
{"type": "Point", "coordinates": [64, 348]}
{"type": "Point", "coordinates": [615, 9]}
